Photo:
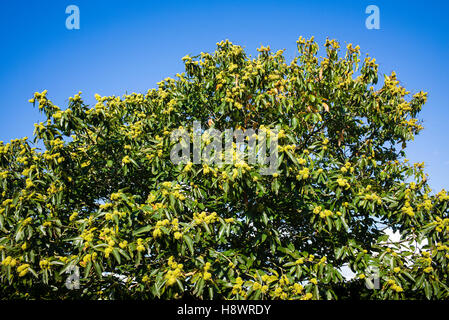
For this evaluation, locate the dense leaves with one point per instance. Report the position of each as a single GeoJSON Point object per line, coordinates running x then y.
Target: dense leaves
{"type": "Point", "coordinates": [104, 197]}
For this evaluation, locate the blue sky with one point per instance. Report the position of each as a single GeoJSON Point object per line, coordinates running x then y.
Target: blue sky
{"type": "Point", "coordinates": [128, 46]}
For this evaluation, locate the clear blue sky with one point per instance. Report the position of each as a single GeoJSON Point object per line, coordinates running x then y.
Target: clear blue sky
{"type": "Point", "coordinates": [128, 46]}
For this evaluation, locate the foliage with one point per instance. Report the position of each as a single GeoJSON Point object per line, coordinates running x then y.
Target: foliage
{"type": "Point", "coordinates": [104, 196]}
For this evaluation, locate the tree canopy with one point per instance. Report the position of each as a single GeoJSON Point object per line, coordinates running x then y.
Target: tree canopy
{"type": "Point", "coordinates": [101, 198]}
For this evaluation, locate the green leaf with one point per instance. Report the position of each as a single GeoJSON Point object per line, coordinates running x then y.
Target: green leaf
{"type": "Point", "coordinates": [116, 255]}
{"type": "Point", "coordinates": [428, 290]}
{"type": "Point", "coordinates": [189, 242]}
{"type": "Point", "coordinates": [142, 230]}
{"type": "Point", "coordinates": [98, 269]}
